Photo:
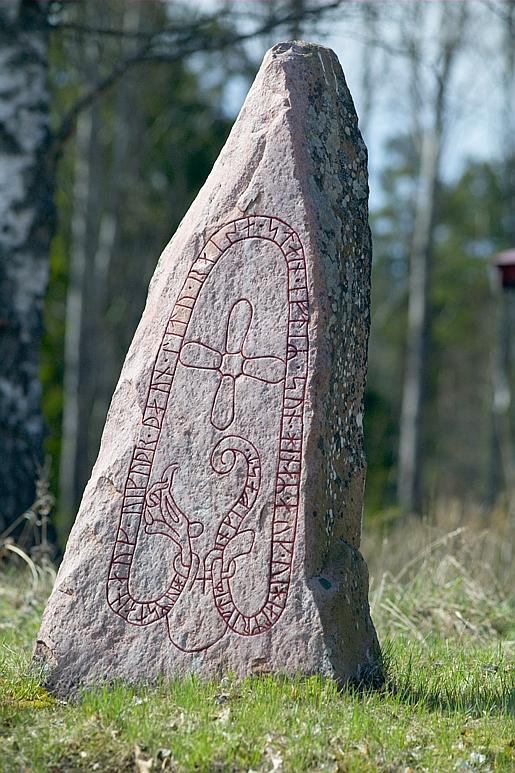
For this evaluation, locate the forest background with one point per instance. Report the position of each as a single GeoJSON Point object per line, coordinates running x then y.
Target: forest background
{"type": "Point", "coordinates": [140, 99]}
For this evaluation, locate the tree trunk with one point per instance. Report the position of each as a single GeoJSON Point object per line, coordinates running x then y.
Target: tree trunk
{"type": "Point", "coordinates": [411, 456]}
{"type": "Point", "coordinates": [84, 193]}
{"type": "Point", "coordinates": [88, 387]}
{"type": "Point", "coordinates": [419, 325]}
{"type": "Point", "coordinates": [27, 221]}
{"type": "Point", "coordinates": [297, 6]}
{"type": "Point", "coordinates": [368, 69]}
{"type": "Point", "coordinates": [509, 295]}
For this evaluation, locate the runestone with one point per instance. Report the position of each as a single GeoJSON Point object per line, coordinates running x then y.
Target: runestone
{"type": "Point", "coordinates": [220, 530]}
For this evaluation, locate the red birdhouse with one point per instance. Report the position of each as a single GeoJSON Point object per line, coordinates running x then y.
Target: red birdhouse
{"type": "Point", "coordinates": [505, 262]}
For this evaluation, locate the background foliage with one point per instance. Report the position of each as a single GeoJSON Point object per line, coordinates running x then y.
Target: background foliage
{"type": "Point", "coordinates": [137, 152]}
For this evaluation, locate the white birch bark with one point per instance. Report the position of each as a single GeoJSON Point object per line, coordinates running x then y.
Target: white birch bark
{"type": "Point", "coordinates": [26, 224]}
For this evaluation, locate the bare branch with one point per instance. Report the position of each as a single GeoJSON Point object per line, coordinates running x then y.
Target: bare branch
{"type": "Point", "coordinates": [179, 26]}
{"type": "Point", "coordinates": [159, 48]}
{"type": "Point", "coordinates": [87, 29]}
{"type": "Point", "coordinates": [498, 10]}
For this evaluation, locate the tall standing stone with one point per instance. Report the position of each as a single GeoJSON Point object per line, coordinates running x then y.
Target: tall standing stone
{"type": "Point", "coordinates": [220, 529]}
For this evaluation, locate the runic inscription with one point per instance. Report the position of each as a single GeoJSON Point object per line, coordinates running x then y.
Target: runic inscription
{"type": "Point", "coordinates": [205, 564]}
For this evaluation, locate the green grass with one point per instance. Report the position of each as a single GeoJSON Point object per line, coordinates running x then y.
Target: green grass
{"type": "Point", "coordinates": [447, 638]}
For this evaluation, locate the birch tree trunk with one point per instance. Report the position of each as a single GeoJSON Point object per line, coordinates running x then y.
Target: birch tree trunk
{"type": "Point", "coordinates": [419, 322]}
{"type": "Point", "coordinates": [26, 226]}
{"type": "Point", "coordinates": [418, 334]}
{"type": "Point", "coordinates": [368, 68]}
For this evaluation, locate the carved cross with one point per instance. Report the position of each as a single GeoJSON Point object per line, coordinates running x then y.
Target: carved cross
{"type": "Point", "coordinates": [232, 363]}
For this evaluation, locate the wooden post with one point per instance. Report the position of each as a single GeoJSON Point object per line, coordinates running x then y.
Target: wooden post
{"type": "Point", "coordinates": [504, 377]}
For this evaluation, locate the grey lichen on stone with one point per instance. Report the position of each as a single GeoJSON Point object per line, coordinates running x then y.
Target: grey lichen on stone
{"type": "Point", "coordinates": [337, 180]}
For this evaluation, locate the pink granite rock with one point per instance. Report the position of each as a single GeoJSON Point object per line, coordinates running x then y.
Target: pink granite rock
{"type": "Point", "coordinates": [220, 529]}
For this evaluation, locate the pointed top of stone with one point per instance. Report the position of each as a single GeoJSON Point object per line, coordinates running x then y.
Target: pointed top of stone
{"type": "Point", "coordinates": [220, 529]}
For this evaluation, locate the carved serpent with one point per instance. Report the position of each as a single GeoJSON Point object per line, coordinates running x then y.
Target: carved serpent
{"type": "Point", "coordinates": [161, 516]}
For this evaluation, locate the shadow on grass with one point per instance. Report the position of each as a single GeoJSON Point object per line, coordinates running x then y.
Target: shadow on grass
{"type": "Point", "coordinates": [468, 686]}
